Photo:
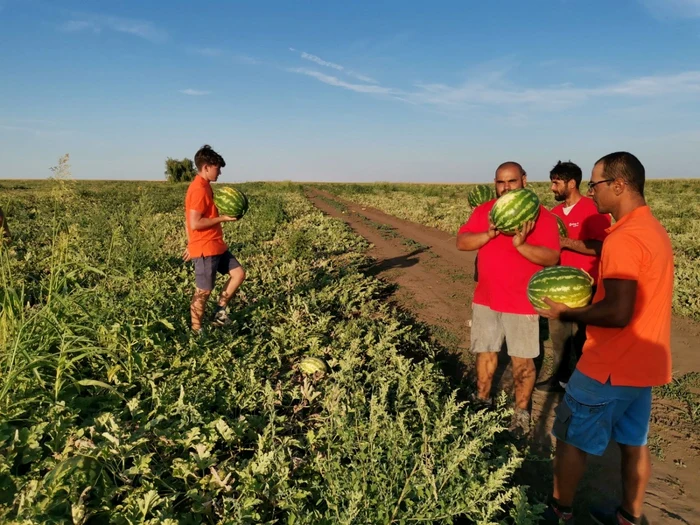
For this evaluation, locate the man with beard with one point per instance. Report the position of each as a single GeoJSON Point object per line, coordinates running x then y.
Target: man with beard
{"type": "Point", "coordinates": [581, 249]}
{"type": "Point", "coordinates": [501, 310]}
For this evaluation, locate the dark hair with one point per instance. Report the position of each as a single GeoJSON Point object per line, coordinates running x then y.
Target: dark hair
{"type": "Point", "coordinates": [511, 164]}
{"type": "Point", "coordinates": [206, 155]}
{"type": "Point", "coordinates": [625, 166]}
{"type": "Point", "coordinates": [566, 171]}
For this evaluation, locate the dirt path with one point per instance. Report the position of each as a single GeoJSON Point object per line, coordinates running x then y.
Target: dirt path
{"type": "Point", "coordinates": [435, 282]}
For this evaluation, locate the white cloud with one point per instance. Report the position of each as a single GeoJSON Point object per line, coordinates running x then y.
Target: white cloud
{"type": "Point", "coordinates": [325, 63]}
{"type": "Point", "coordinates": [673, 8]}
{"type": "Point", "coordinates": [194, 92]}
{"type": "Point", "coordinates": [97, 23]}
{"type": "Point", "coordinates": [208, 51]}
{"type": "Point", "coordinates": [335, 81]}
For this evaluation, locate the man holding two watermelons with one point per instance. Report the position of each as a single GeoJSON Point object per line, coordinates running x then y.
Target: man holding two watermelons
{"type": "Point", "coordinates": [627, 350]}
{"type": "Point", "coordinates": [205, 241]}
{"type": "Point", "coordinates": [581, 242]}
{"type": "Point", "coordinates": [515, 237]}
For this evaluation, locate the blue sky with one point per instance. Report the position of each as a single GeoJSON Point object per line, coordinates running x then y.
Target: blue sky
{"type": "Point", "coordinates": [348, 91]}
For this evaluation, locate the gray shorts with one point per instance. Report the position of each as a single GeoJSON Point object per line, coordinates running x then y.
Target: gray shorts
{"type": "Point", "coordinates": [205, 269]}
{"type": "Point", "coordinates": [521, 332]}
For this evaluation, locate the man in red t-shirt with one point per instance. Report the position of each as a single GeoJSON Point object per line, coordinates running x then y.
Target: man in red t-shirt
{"type": "Point", "coordinates": [500, 310]}
{"type": "Point", "coordinates": [581, 249]}
{"type": "Point", "coordinates": [205, 241]}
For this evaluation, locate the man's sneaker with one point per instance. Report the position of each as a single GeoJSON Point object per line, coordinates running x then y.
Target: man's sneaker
{"type": "Point", "coordinates": [555, 515]}
{"type": "Point", "coordinates": [614, 517]}
{"type": "Point", "coordinates": [521, 421]}
{"type": "Point", "coordinates": [551, 385]}
{"type": "Point", "coordinates": [221, 317]}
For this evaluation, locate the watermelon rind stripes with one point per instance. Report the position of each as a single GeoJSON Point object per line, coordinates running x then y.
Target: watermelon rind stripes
{"type": "Point", "coordinates": [311, 365]}
{"type": "Point", "coordinates": [563, 232]}
{"type": "Point", "coordinates": [480, 194]}
{"type": "Point", "coordinates": [231, 201]}
{"type": "Point", "coordinates": [513, 209]}
{"type": "Point", "coordinates": [562, 284]}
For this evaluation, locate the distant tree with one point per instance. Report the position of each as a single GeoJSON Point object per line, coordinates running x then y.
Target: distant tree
{"type": "Point", "coordinates": [179, 170]}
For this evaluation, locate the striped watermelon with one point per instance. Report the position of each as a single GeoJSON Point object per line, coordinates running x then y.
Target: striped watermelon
{"type": "Point", "coordinates": [311, 365]}
{"type": "Point", "coordinates": [562, 284]}
{"type": "Point", "coordinates": [563, 232]}
{"type": "Point", "coordinates": [480, 194]}
{"type": "Point", "coordinates": [513, 209]}
{"type": "Point", "coordinates": [230, 201]}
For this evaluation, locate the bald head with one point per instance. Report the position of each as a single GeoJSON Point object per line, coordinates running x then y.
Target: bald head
{"type": "Point", "coordinates": [509, 176]}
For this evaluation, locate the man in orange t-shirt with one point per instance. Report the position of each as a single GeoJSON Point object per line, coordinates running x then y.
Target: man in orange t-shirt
{"type": "Point", "coordinates": [628, 346]}
{"type": "Point", "coordinates": [205, 241]}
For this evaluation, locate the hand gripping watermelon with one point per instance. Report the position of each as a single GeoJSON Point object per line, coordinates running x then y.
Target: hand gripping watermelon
{"type": "Point", "coordinates": [562, 284]}
{"type": "Point", "coordinates": [513, 209]}
{"type": "Point", "coordinates": [563, 232]}
{"type": "Point", "coordinates": [311, 365]}
{"type": "Point", "coordinates": [230, 201]}
{"type": "Point", "coordinates": [480, 194]}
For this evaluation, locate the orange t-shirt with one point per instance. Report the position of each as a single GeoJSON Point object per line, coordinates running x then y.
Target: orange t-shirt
{"type": "Point", "coordinates": [638, 248]}
{"type": "Point", "coordinates": [203, 243]}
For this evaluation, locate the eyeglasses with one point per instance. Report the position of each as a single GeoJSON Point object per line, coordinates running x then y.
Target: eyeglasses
{"type": "Point", "coordinates": [592, 185]}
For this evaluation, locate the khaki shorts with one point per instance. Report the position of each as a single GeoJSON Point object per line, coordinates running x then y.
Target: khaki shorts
{"type": "Point", "coordinates": [521, 332]}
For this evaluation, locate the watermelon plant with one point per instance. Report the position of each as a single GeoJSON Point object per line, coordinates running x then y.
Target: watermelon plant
{"type": "Point", "coordinates": [562, 284]}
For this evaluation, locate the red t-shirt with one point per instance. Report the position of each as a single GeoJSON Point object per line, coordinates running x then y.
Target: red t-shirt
{"type": "Point", "coordinates": [583, 223]}
{"type": "Point", "coordinates": [203, 243]}
{"type": "Point", "coordinates": [503, 271]}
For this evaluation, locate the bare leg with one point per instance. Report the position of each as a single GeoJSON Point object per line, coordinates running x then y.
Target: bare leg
{"type": "Point", "coordinates": [197, 307]}
{"type": "Point", "coordinates": [524, 379]}
{"type": "Point", "coordinates": [486, 363]}
{"type": "Point", "coordinates": [569, 466]}
{"type": "Point", "coordinates": [236, 277]}
{"type": "Point", "coordinates": [636, 471]}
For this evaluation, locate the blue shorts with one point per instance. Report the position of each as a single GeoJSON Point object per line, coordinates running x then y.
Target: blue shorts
{"type": "Point", "coordinates": [206, 268]}
{"type": "Point", "coordinates": [593, 413]}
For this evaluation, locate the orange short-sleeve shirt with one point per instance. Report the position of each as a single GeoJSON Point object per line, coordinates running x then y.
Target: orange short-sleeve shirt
{"type": "Point", "coordinates": [203, 243]}
{"type": "Point", "coordinates": [637, 247]}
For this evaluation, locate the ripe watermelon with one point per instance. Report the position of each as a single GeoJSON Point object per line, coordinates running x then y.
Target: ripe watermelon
{"type": "Point", "coordinates": [311, 365]}
{"type": "Point", "coordinates": [513, 209]}
{"type": "Point", "coordinates": [563, 284]}
{"type": "Point", "coordinates": [230, 201]}
{"type": "Point", "coordinates": [563, 232]}
{"type": "Point", "coordinates": [480, 194]}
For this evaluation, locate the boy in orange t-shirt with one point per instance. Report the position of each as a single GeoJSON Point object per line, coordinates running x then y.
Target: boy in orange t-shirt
{"type": "Point", "coordinates": [627, 350]}
{"type": "Point", "coordinates": [205, 241]}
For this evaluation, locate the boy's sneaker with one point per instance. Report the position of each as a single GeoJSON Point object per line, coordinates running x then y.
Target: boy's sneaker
{"type": "Point", "coordinates": [221, 318]}
{"type": "Point", "coordinates": [521, 421]}
{"type": "Point", "coordinates": [556, 515]}
{"type": "Point", "coordinates": [615, 517]}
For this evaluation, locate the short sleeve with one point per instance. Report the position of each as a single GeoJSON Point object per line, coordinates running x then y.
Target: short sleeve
{"type": "Point", "coordinates": [196, 200]}
{"type": "Point", "coordinates": [546, 232]}
{"type": "Point", "coordinates": [621, 258]}
{"type": "Point", "coordinates": [477, 222]}
{"type": "Point", "coordinates": [594, 227]}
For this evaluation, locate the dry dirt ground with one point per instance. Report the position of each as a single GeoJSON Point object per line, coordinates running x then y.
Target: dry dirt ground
{"type": "Point", "coordinates": [434, 281]}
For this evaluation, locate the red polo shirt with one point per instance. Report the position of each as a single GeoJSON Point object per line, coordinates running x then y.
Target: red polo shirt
{"type": "Point", "coordinates": [503, 271]}
{"type": "Point", "coordinates": [583, 223]}
{"type": "Point", "coordinates": [203, 243]}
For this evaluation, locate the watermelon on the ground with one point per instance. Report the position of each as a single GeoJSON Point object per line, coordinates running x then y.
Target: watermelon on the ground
{"type": "Point", "coordinates": [231, 201]}
{"type": "Point", "coordinates": [563, 232]}
{"type": "Point", "coordinates": [311, 365]}
{"type": "Point", "coordinates": [562, 284]}
{"type": "Point", "coordinates": [480, 194]}
{"type": "Point", "coordinates": [513, 209]}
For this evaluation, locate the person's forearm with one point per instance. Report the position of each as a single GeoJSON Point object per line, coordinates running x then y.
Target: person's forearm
{"type": "Point", "coordinates": [587, 247]}
{"type": "Point", "coordinates": [472, 241]}
{"type": "Point", "coordinates": [538, 254]}
{"type": "Point", "coordinates": [203, 223]}
{"type": "Point", "coordinates": [602, 313]}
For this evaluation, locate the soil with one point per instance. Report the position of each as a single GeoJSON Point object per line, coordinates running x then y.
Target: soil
{"type": "Point", "coordinates": [434, 281]}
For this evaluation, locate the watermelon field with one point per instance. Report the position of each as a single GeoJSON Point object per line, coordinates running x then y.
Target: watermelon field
{"type": "Point", "coordinates": [112, 411]}
{"type": "Point", "coordinates": [445, 206]}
